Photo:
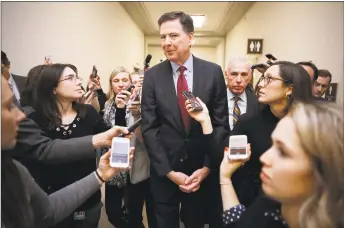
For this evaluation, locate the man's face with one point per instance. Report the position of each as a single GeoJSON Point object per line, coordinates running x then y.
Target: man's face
{"type": "Point", "coordinates": [175, 42]}
{"type": "Point", "coordinates": [238, 76]}
{"type": "Point", "coordinates": [320, 86]}
{"type": "Point", "coordinates": [310, 71]}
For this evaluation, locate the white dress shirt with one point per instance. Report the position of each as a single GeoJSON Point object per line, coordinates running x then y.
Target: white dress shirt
{"type": "Point", "coordinates": [242, 103]}
{"type": "Point", "coordinates": [188, 73]}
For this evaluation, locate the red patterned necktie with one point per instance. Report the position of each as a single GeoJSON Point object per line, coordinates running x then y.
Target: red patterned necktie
{"type": "Point", "coordinates": [182, 85]}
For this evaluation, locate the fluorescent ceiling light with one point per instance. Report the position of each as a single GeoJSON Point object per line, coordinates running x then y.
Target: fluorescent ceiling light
{"type": "Point", "coordinates": [198, 20]}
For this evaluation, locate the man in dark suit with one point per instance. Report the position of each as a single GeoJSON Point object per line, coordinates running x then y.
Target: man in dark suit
{"type": "Point", "coordinates": [241, 99]}
{"type": "Point", "coordinates": [16, 82]}
{"type": "Point", "coordinates": [175, 142]}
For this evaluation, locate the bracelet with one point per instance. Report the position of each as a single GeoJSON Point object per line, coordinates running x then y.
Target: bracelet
{"type": "Point", "coordinates": [99, 176]}
{"type": "Point", "coordinates": [226, 183]}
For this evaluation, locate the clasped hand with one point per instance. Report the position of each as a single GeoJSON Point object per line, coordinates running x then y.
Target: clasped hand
{"type": "Point", "coordinates": [191, 183]}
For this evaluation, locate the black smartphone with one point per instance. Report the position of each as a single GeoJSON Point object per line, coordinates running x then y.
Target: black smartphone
{"type": "Point", "coordinates": [94, 72]}
{"type": "Point", "coordinates": [132, 127]}
{"type": "Point", "coordinates": [270, 56]}
{"type": "Point", "coordinates": [130, 88]}
{"type": "Point", "coordinates": [194, 102]}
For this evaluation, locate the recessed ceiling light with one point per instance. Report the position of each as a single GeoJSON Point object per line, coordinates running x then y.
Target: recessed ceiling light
{"type": "Point", "coordinates": [198, 20]}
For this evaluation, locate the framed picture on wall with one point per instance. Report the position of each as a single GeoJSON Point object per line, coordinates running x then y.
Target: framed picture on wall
{"type": "Point", "coordinates": [254, 46]}
{"type": "Point", "coordinates": [331, 93]}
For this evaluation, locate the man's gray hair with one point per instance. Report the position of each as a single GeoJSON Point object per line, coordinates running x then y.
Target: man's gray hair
{"type": "Point", "coordinates": [243, 59]}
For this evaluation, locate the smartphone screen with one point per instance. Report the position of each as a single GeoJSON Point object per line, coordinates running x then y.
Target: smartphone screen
{"type": "Point", "coordinates": [120, 152]}
{"type": "Point", "coordinates": [238, 145]}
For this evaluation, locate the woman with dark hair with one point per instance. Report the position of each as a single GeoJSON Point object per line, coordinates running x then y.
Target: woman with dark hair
{"type": "Point", "coordinates": [60, 115]}
{"type": "Point", "coordinates": [23, 203]}
{"type": "Point", "coordinates": [279, 87]}
{"type": "Point", "coordinates": [282, 84]}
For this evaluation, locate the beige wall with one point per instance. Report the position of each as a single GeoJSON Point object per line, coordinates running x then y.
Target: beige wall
{"type": "Point", "coordinates": [206, 53]}
{"type": "Point", "coordinates": [220, 54]}
{"type": "Point", "coordinates": [296, 31]}
{"type": "Point", "coordinates": [81, 33]}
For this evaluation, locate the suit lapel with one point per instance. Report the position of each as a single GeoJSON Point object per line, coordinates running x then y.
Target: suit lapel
{"type": "Point", "coordinates": [171, 98]}
{"type": "Point", "coordinates": [198, 80]}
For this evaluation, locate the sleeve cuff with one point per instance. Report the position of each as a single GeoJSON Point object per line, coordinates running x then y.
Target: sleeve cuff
{"type": "Point", "coordinates": [233, 214]}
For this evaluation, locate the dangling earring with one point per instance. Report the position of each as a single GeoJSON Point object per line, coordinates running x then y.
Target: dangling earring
{"type": "Point", "coordinates": [54, 91]}
{"type": "Point", "coordinates": [287, 97]}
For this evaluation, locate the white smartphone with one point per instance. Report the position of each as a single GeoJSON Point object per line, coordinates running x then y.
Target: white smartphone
{"type": "Point", "coordinates": [237, 147]}
{"type": "Point", "coordinates": [120, 152]}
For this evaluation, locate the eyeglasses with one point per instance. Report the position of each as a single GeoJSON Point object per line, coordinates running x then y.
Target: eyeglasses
{"type": "Point", "coordinates": [267, 79]}
{"type": "Point", "coordinates": [72, 78]}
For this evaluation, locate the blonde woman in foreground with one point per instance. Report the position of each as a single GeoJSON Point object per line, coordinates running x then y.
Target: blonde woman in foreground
{"type": "Point", "coordinates": [302, 173]}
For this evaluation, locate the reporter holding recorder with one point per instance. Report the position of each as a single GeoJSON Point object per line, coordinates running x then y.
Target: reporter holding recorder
{"type": "Point", "coordinates": [24, 204]}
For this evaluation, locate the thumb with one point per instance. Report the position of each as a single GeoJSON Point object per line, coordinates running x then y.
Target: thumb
{"type": "Point", "coordinates": [225, 156]}
{"type": "Point", "coordinates": [189, 179]}
{"type": "Point", "coordinates": [106, 155]}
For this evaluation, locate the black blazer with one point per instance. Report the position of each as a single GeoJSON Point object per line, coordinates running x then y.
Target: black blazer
{"type": "Point", "coordinates": [261, 214]}
{"type": "Point", "coordinates": [258, 129]}
{"type": "Point", "coordinates": [20, 82]}
{"type": "Point", "coordinates": [253, 106]}
{"type": "Point", "coordinates": [162, 126]}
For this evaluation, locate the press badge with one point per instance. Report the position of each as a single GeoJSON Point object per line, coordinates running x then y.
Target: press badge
{"type": "Point", "coordinates": [79, 215]}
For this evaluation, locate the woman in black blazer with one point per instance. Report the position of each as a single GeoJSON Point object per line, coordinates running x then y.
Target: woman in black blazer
{"type": "Point", "coordinates": [24, 204]}
{"type": "Point", "coordinates": [282, 84]}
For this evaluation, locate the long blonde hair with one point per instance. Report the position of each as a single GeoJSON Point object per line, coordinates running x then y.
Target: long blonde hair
{"type": "Point", "coordinates": [319, 127]}
{"type": "Point", "coordinates": [111, 94]}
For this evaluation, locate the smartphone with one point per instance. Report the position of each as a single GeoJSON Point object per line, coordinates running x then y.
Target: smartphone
{"type": "Point", "coordinates": [194, 102]}
{"type": "Point", "coordinates": [237, 147]}
{"type": "Point", "coordinates": [270, 56]}
{"type": "Point", "coordinates": [94, 72]}
{"type": "Point", "coordinates": [120, 152]}
{"type": "Point", "coordinates": [130, 88]}
{"type": "Point", "coordinates": [132, 127]}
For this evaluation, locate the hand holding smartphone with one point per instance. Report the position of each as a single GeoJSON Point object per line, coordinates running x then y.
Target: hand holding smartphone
{"type": "Point", "coordinates": [238, 147]}
{"type": "Point", "coordinates": [194, 102]}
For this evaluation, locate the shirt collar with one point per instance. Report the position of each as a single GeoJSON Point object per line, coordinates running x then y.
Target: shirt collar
{"type": "Point", "coordinates": [188, 64]}
{"type": "Point", "coordinates": [230, 95]}
{"type": "Point", "coordinates": [11, 80]}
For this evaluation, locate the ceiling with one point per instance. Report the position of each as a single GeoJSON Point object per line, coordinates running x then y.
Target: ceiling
{"type": "Point", "coordinates": [221, 17]}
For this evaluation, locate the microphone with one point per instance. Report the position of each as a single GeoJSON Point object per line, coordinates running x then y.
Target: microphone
{"type": "Point", "coordinates": [147, 60]}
